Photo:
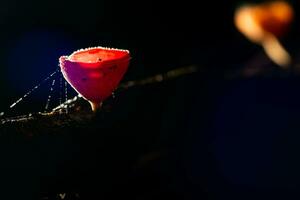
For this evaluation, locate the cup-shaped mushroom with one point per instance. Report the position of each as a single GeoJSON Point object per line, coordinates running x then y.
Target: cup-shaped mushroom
{"type": "Point", "coordinates": [95, 72]}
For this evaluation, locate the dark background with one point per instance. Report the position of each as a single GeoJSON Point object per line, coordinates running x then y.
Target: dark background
{"type": "Point", "coordinates": [160, 35]}
{"type": "Point", "coordinates": [206, 137]}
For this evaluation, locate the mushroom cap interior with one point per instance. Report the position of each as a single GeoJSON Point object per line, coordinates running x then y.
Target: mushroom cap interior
{"type": "Point", "coordinates": [99, 54]}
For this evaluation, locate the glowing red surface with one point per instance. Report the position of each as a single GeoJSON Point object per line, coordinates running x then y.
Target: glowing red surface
{"type": "Point", "coordinates": [95, 72]}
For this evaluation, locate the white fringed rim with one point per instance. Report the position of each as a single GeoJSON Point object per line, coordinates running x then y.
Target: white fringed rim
{"type": "Point", "coordinates": [99, 47]}
{"type": "Point", "coordinates": [68, 58]}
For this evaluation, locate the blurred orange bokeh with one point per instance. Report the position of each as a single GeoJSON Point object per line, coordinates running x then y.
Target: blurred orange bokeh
{"type": "Point", "coordinates": [256, 22]}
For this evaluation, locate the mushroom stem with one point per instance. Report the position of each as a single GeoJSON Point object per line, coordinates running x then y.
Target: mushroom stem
{"type": "Point", "coordinates": [95, 106]}
{"type": "Point", "coordinates": [276, 51]}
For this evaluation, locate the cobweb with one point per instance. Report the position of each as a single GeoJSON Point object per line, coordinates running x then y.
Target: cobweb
{"type": "Point", "coordinates": [59, 101]}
